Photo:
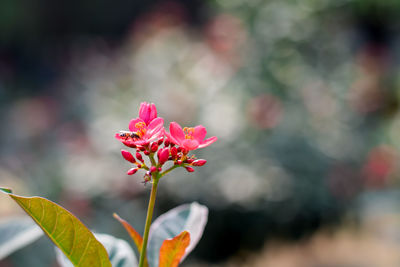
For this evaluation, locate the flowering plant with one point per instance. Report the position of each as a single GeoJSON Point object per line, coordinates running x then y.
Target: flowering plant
{"type": "Point", "coordinates": [161, 244]}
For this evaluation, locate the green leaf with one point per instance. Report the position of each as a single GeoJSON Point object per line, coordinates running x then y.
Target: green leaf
{"type": "Point", "coordinates": [16, 233]}
{"type": "Point", "coordinates": [172, 250]}
{"type": "Point", "coordinates": [65, 230]}
{"type": "Point", "coordinates": [189, 217]}
{"type": "Point", "coordinates": [121, 254]}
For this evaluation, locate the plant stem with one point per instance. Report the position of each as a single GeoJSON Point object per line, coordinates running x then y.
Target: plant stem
{"type": "Point", "coordinates": [168, 170]}
{"type": "Point", "coordinates": [148, 220]}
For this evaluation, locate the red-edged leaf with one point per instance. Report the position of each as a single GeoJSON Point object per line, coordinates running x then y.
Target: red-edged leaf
{"type": "Point", "coordinates": [136, 237]}
{"type": "Point", "coordinates": [172, 250]}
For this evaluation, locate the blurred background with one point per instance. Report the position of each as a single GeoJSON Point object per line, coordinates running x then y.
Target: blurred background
{"type": "Point", "coordinates": [302, 94]}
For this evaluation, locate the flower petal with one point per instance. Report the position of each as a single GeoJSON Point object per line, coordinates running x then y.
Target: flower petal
{"type": "Point", "coordinates": [154, 136]}
{"type": "Point", "coordinates": [199, 133]}
{"type": "Point", "coordinates": [176, 132]}
{"type": "Point", "coordinates": [132, 124]}
{"type": "Point", "coordinates": [147, 112]}
{"type": "Point", "coordinates": [171, 138]}
{"type": "Point", "coordinates": [153, 112]}
{"type": "Point", "coordinates": [155, 126]}
{"type": "Point", "coordinates": [190, 144]}
{"type": "Point", "coordinates": [208, 142]}
{"type": "Point", "coordinates": [144, 112]}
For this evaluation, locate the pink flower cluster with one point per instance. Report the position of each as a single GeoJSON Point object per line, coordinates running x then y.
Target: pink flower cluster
{"type": "Point", "coordinates": [147, 135]}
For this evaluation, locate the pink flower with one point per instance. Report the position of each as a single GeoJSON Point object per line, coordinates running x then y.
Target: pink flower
{"type": "Point", "coordinates": [189, 138]}
{"type": "Point", "coordinates": [147, 112]}
{"type": "Point", "coordinates": [146, 128]}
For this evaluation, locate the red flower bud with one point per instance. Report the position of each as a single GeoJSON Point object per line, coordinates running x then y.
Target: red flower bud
{"type": "Point", "coordinates": [199, 162]}
{"type": "Point", "coordinates": [179, 162]}
{"type": "Point", "coordinates": [174, 152]}
{"type": "Point", "coordinates": [132, 171]}
{"type": "Point", "coordinates": [166, 142]}
{"type": "Point", "coordinates": [163, 156]}
{"type": "Point", "coordinates": [154, 147]}
{"type": "Point", "coordinates": [153, 169]}
{"type": "Point", "coordinates": [129, 144]}
{"type": "Point", "coordinates": [128, 156]}
{"type": "Point", "coordinates": [146, 152]}
{"type": "Point", "coordinates": [189, 160]}
{"type": "Point", "coordinates": [189, 169]}
{"type": "Point", "coordinates": [160, 141]}
{"type": "Point", "coordinates": [139, 156]}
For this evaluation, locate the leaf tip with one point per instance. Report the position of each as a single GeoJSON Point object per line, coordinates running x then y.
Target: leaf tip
{"type": "Point", "coordinates": [6, 190]}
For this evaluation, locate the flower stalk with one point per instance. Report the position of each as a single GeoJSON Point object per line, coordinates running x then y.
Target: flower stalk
{"type": "Point", "coordinates": [149, 217]}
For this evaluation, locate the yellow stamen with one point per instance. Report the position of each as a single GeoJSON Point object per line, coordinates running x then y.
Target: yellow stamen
{"type": "Point", "coordinates": [189, 132]}
{"type": "Point", "coordinates": [141, 126]}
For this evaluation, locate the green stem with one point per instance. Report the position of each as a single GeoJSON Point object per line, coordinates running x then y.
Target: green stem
{"type": "Point", "coordinates": [168, 170]}
{"type": "Point", "coordinates": [153, 161]}
{"type": "Point", "coordinates": [148, 220]}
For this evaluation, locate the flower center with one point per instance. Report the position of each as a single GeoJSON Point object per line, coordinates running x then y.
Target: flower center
{"type": "Point", "coordinates": [189, 132]}
{"type": "Point", "coordinates": [141, 126]}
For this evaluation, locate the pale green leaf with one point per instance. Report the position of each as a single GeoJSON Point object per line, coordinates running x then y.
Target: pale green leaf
{"type": "Point", "coordinates": [16, 233]}
{"type": "Point", "coordinates": [189, 217]}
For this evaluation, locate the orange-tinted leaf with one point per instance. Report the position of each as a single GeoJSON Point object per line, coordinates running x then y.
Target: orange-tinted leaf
{"type": "Point", "coordinates": [172, 250]}
{"type": "Point", "coordinates": [136, 237]}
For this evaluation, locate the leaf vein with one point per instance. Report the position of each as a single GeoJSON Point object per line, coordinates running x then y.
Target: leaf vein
{"type": "Point", "coordinates": [73, 240]}
{"type": "Point", "coordinates": [55, 223]}
{"type": "Point", "coordinates": [84, 252]}
{"type": "Point", "coordinates": [60, 234]}
{"type": "Point", "coordinates": [41, 205]}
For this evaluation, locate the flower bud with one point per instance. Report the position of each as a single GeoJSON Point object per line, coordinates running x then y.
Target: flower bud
{"type": "Point", "coordinates": [189, 160]}
{"type": "Point", "coordinates": [160, 141]}
{"type": "Point", "coordinates": [153, 169]}
{"type": "Point", "coordinates": [199, 162]}
{"type": "Point", "coordinates": [139, 156]}
{"type": "Point", "coordinates": [163, 156]}
{"type": "Point", "coordinates": [189, 169]}
{"type": "Point", "coordinates": [174, 152]}
{"type": "Point", "coordinates": [166, 142]}
{"type": "Point", "coordinates": [154, 147]}
{"type": "Point", "coordinates": [179, 161]}
{"type": "Point", "coordinates": [128, 156]}
{"type": "Point", "coordinates": [146, 152]}
{"type": "Point", "coordinates": [132, 171]}
{"type": "Point", "coordinates": [129, 144]}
